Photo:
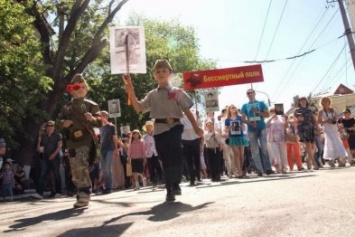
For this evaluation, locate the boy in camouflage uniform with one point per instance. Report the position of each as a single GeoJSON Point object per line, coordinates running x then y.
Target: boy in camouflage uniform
{"type": "Point", "coordinates": [77, 120]}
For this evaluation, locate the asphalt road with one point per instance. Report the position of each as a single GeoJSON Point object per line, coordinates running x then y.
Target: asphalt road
{"type": "Point", "coordinates": [319, 203]}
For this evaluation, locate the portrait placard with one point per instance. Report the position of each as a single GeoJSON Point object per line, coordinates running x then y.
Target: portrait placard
{"type": "Point", "coordinates": [114, 108]}
{"type": "Point", "coordinates": [235, 128]}
{"type": "Point", "coordinates": [127, 50]}
{"type": "Point", "coordinates": [211, 101]}
{"type": "Point", "coordinates": [279, 109]}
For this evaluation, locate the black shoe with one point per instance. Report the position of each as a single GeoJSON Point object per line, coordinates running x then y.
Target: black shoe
{"type": "Point", "coordinates": [260, 174]}
{"type": "Point", "coordinates": [268, 172]}
{"type": "Point", "coordinates": [176, 190]}
{"type": "Point", "coordinates": [170, 198]}
{"type": "Point", "coordinates": [106, 191]}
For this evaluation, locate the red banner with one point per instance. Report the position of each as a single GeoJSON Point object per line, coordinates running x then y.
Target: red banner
{"type": "Point", "coordinates": [222, 77]}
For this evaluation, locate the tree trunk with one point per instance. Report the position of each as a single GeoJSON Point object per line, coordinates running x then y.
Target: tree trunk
{"type": "Point", "coordinates": [26, 151]}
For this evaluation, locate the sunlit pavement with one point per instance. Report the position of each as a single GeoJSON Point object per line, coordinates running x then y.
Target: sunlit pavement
{"type": "Point", "coordinates": [319, 203]}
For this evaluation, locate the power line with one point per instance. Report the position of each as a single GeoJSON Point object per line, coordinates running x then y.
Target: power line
{"type": "Point", "coordinates": [301, 61]}
{"type": "Point", "coordinates": [277, 27]}
{"type": "Point", "coordinates": [280, 89]}
{"type": "Point", "coordinates": [262, 33]}
{"type": "Point", "coordinates": [338, 74]}
{"type": "Point", "coordinates": [285, 58]}
{"type": "Point", "coordinates": [330, 67]}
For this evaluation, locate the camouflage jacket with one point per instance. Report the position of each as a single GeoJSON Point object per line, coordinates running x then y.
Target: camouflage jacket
{"type": "Point", "coordinates": [81, 132]}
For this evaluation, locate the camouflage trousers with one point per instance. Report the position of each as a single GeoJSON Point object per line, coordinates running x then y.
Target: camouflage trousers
{"type": "Point", "coordinates": [80, 169]}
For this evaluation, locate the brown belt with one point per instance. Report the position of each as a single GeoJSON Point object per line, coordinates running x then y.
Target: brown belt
{"type": "Point", "coordinates": [167, 120]}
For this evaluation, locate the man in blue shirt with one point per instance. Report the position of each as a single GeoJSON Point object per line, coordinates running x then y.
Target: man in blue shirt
{"type": "Point", "coordinates": [253, 114]}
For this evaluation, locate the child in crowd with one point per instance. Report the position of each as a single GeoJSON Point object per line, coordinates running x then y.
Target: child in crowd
{"type": "Point", "coordinates": [202, 160]}
{"type": "Point", "coordinates": [137, 156]}
{"type": "Point", "coordinates": [8, 180]}
{"type": "Point", "coordinates": [21, 182]}
{"type": "Point", "coordinates": [234, 127]}
{"type": "Point", "coordinates": [123, 149]}
{"type": "Point", "coordinates": [166, 104]}
{"type": "Point", "coordinates": [77, 119]}
{"type": "Point", "coordinates": [213, 141]}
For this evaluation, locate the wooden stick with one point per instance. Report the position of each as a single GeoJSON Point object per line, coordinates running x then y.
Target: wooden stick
{"type": "Point", "coordinates": [127, 64]}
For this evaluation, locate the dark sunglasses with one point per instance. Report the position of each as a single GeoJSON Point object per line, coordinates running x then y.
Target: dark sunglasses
{"type": "Point", "coordinates": [74, 87]}
{"type": "Point", "coordinates": [50, 126]}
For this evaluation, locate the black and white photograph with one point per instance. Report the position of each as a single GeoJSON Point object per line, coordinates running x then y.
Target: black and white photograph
{"type": "Point", "coordinates": [114, 108]}
{"type": "Point", "coordinates": [211, 101]}
{"type": "Point", "coordinates": [235, 128]}
{"type": "Point", "coordinates": [127, 50]}
{"type": "Point", "coordinates": [125, 130]}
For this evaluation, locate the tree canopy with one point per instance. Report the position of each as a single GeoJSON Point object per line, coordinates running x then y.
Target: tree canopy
{"type": "Point", "coordinates": [50, 41]}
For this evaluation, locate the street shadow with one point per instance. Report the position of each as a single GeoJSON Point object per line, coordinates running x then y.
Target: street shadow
{"type": "Point", "coordinates": [55, 216]}
{"type": "Point", "coordinates": [150, 190]}
{"type": "Point", "coordinates": [264, 179]}
{"type": "Point", "coordinates": [332, 169]}
{"type": "Point", "coordinates": [162, 212]}
{"type": "Point", "coordinates": [111, 201]}
{"type": "Point", "coordinates": [109, 230]}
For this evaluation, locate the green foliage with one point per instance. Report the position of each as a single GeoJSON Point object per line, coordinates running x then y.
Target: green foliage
{"type": "Point", "coordinates": [21, 71]}
{"type": "Point", "coordinates": [43, 43]}
{"type": "Point", "coordinates": [164, 39]}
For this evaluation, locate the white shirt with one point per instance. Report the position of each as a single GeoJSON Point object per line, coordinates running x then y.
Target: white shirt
{"type": "Point", "coordinates": [188, 133]}
{"type": "Point", "coordinates": [150, 148]}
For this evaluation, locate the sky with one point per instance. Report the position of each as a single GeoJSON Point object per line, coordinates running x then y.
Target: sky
{"type": "Point", "coordinates": [234, 31]}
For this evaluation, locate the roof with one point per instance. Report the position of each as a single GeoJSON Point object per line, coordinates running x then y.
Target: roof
{"type": "Point", "coordinates": [338, 90]}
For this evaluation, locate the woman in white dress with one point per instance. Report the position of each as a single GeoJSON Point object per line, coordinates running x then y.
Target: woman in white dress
{"type": "Point", "coordinates": [333, 147]}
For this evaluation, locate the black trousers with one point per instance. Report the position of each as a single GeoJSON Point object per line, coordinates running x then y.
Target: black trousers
{"type": "Point", "coordinates": [169, 148]}
{"type": "Point", "coordinates": [191, 150]}
{"type": "Point", "coordinates": [213, 157]}
{"type": "Point", "coordinates": [154, 168]}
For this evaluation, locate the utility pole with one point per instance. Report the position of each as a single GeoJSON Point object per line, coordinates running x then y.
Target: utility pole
{"type": "Point", "coordinates": [268, 98]}
{"type": "Point", "coordinates": [348, 31]}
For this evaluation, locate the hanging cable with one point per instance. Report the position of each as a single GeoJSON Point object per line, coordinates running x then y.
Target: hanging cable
{"type": "Point", "coordinates": [280, 88]}
{"type": "Point", "coordinates": [337, 75]}
{"type": "Point", "coordinates": [343, 70]}
{"type": "Point", "coordinates": [262, 32]}
{"type": "Point", "coordinates": [330, 67]}
{"type": "Point", "coordinates": [277, 28]}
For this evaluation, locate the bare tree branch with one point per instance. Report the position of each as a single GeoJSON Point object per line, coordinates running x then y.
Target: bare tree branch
{"type": "Point", "coordinates": [90, 56]}
{"type": "Point", "coordinates": [109, 19]}
{"type": "Point", "coordinates": [97, 43]}
{"type": "Point", "coordinates": [74, 16]}
{"type": "Point", "coordinates": [44, 29]}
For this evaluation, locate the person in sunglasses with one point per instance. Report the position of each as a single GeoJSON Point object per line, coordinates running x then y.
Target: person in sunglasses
{"type": "Point", "coordinates": [50, 143]}
{"type": "Point", "coordinates": [77, 120]}
{"type": "Point", "coordinates": [253, 114]}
